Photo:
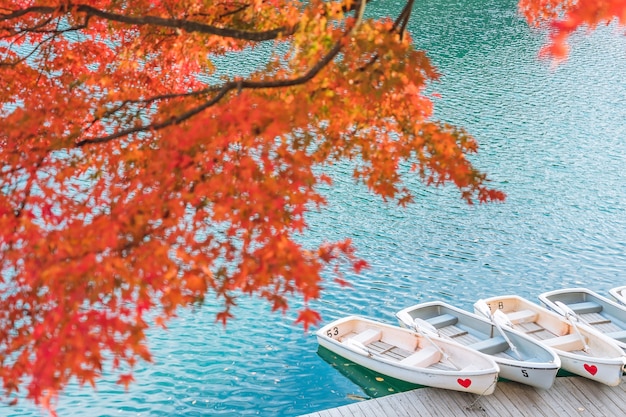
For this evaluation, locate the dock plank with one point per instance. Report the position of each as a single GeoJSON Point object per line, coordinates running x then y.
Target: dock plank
{"type": "Point", "coordinates": [460, 404]}
{"type": "Point", "coordinates": [552, 402]}
{"type": "Point", "coordinates": [376, 408]}
{"type": "Point", "coordinates": [560, 405]}
{"type": "Point", "coordinates": [534, 400]}
{"type": "Point", "coordinates": [507, 404]}
{"type": "Point", "coordinates": [598, 398]}
{"type": "Point", "coordinates": [429, 406]}
{"type": "Point", "coordinates": [406, 405]}
{"type": "Point", "coordinates": [368, 410]}
{"type": "Point", "coordinates": [393, 408]}
{"type": "Point", "coordinates": [581, 397]}
{"type": "Point", "coordinates": [568, 397]}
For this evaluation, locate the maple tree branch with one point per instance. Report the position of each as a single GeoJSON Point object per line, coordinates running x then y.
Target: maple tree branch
{"type": "Point", "coordinates": [38, 28]}
{"type": "Point", "coordinates": [228, 87]}
{"type": "Point", "coordinates": [355, 5]}
{"type": "Point", "coordinates": [400, 22]}
{"type": "Point", "coordinates": [182, 24]}
{"type": "Point", "coordinates": [12, 31]}
{"type": "Point", "coordinates": [358, 7]}
{"type": "Point", "coordinates": [19, 210]}
{"type": "Point", "coordinates": [237, 85]}
{"type": "Point", "coordinates": [234, 11]}
{"type": "Point", "coordinates": [403, 18]}
{"type": "Point", "coordinates": [154, 99]}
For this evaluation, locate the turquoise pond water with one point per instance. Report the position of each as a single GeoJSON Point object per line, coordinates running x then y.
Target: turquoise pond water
{"type": "Point", "coordinates": [553, 139]}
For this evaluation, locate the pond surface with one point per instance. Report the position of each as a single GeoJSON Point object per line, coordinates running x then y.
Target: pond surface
{"type": "Point", "coordinates": [553, 139]}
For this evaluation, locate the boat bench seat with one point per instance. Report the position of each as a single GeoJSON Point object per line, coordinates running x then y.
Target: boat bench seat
{"type": "Point", "coordinates": [618, 335]}
{"type": "Point", "coordinates": [367, 336]}
{"type": "Point", "coordinates": [522, 316]}
{"type": "Point", "coordinates": [422, 358]}
{"type": "Point", "coordinates": [585, 307]}
{"type": "Point", "coordinates": [491, 346]}
{"type": "Point", "coordinates": [443, 320]}
{"type": "Point", "coordinates": [567, 343]}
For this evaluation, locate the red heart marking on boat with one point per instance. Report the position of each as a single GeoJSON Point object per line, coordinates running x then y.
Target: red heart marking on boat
{"type": "Point", "coordinates": [592, 369]}
{"type": "Point", "coordinates": [465, 383]}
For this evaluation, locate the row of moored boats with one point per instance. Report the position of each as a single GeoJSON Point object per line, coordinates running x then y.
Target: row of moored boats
{"type": "Point", "coordinates": [439, 345]}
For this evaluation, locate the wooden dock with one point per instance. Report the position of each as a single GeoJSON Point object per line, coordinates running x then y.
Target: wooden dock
{"type": "Point", "coordinates": [568, 397]}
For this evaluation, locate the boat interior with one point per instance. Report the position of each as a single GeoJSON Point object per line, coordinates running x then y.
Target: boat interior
{"type": "Point", "coordinates": [409, 351]}
{"type": "Point", "coordinates": [597, 317]}
{"type": "Point", "coordinates": [448, 326]}
{"type": "Point", "coordinates": [552, 332]}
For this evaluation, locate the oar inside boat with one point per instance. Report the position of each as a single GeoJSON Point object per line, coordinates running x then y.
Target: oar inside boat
{"type": "Point", "coordinates": [569, 314]}
{"type": "Point", "coordinates": [427, 330]}
{"type": "Point", "coordinates": [497, 319]}
{"type": "Point", "coordinates": [501, 319]}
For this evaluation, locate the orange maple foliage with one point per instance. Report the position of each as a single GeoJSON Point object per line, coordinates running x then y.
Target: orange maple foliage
{"type": "Point", "coordinates": [137, 176]}
{"type": "Point", "coordinates": [566, 16]}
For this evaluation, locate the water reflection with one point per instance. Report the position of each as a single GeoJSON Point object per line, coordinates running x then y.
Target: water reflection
{"type": "Point", "coordinates": [373, 384]}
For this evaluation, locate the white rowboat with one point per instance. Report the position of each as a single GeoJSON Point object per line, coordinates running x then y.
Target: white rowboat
{"type": "Point", "coordinates": [409, 356]}
{"type": "Point", "coordinates": [619, 293]}
{"type": "Point", "coordinates": [591, 309]}
{"type": "Point", "coordinates": [583, 351]}
{"type": "Point", "coordinates": [524, 360]}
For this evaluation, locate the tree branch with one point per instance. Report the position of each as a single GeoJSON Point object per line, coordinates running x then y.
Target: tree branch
{"type": "Point", "coordinates": [225, 89]}
{"type": "Point", "coordinates": [238, 85]}
{"type": "Point", "coordinates": [403, 18]}
{"type": "Point", "coordinates": [182, 24]}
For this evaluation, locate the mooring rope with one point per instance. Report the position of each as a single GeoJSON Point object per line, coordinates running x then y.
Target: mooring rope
{"type": "Point", "coordinates": [473, 403]}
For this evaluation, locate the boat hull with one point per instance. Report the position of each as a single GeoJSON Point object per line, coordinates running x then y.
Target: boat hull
{"type": "Point", "coordinates": [604, 361]}
{"type": "Point", "coordinates": [540, 377]}
{"type": "Point", "coordinates": [538, 370]}
{"type": "Point", "coordinates": [619, 293]}
{"type": "Point", "coordinates": [472, 379]}
{"type": "Point", "coordinates": [608, 372]}
{"type": "Point", "coordinates": [592, 310]}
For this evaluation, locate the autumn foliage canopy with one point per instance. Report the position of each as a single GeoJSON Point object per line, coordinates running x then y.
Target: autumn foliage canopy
{"type": "Point", "coordinates": [137, 175]}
